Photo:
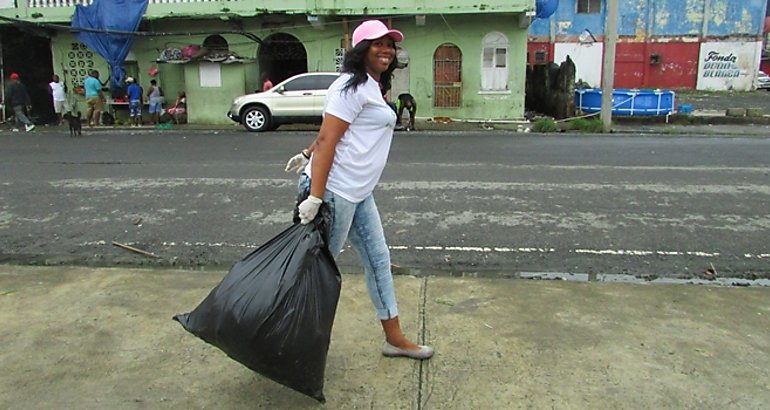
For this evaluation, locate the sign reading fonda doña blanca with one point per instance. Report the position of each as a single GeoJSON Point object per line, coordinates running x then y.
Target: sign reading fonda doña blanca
{"type": "Point", "coordinates": [728, 65]}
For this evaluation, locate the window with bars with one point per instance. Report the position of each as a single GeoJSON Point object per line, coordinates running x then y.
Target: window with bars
{"type": "Point", "coordinates": [589, 6]}
{"type": "Point", "coordinates": [447, 81]}
{"type": "Point", "coordinates": [339, 58]}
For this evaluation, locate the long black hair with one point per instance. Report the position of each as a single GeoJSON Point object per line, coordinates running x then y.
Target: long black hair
{"type": "Point", "coordinates": [355, 63]}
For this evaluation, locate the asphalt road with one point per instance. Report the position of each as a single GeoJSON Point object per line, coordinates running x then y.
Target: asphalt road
{"type": "Point", "coordinates": [465, 203]}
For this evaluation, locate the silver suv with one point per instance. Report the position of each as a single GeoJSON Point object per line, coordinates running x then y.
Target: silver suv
{"type": "Point", "coordinates": [763, 81]}
{"type": "Point", "coordinates": [298, 99]}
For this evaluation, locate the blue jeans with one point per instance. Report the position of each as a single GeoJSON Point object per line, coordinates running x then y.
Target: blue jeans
{"type": "Point", "coordinates": [18, 112]}
{"type": "Point", "coordinates": [360, 222]}
{"type": "Point", "coordinates": [134, 108]}
{"type": "Point", "coordinates": [154, 107]}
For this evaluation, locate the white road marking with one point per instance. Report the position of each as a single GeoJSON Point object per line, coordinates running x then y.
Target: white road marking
{"type": "Point", "coordinates": [477, 249]}
{"type": "Point", "coordinates": [165, 183]}
{"type": "Point", "coordinates": [709, 168]}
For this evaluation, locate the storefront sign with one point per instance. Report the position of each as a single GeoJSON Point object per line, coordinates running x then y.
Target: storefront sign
{"type": "Point", "coordinates": [728, 65]}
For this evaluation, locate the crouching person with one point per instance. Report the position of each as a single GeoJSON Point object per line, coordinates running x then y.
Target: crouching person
{"type": "Point", "coordinates": [406, 101]}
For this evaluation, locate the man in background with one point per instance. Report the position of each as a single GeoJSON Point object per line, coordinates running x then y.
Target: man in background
{"type": "Point", "coordinates": [59, 95]}
{"type": "Point", "coordinates": [94, 98]}
{"type": "Point", "coordinates": [17, 97]}
{"type": "Point", "coordinates": [155, 95]}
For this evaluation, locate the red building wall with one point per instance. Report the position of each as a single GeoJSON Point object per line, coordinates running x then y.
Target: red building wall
{"type": "Point", "coordinates": [533, 48]}
{"type": "Point", "coordinates": [656, 65]}
{"type": "Point", "coordinates": [676, 65]}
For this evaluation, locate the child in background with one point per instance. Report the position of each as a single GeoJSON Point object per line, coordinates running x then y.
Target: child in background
{"type": "Point", "coordinates": [134, 94]}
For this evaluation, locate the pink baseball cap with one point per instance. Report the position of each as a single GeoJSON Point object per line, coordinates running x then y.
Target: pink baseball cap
{"type": "Point", "coordinates": [374, 29]}
{"type": "Point", "coordinates": [14, 76]}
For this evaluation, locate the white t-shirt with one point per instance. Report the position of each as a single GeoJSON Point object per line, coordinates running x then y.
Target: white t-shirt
{"type": "Point", "coordinates": [362, 152]}
{"type": "Point", "coordinates": [58, 91]}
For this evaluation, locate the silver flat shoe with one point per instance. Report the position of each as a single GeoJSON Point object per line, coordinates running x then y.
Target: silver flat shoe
{"type": "Point", "coordinates": [425, 352]}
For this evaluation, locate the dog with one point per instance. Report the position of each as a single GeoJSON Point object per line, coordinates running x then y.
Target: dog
{"type": "Point", "coordinates": [75, 122]}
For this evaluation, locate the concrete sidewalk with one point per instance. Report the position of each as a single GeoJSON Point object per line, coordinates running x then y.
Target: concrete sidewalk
{"type": "Point", "coordinates": [80, 338]}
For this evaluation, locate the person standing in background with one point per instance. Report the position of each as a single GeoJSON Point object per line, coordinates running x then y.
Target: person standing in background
{"type": "Point", "coordinates": [135, 102]}
{"type": "Point", "coordinates": [17, 97]}
{"type": "Point", "coordinates": [94, 98]}
{"type": "Point", "coordinates": [155, 95]}
{"type": "Point", "coordinates": [266, 83]}
{"type": "Point", "coordinates": [59, 95]}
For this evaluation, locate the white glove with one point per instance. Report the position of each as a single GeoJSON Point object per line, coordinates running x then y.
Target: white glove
{"type": "Point", "coordinates": [297, 163]}
{"type": "Point", "coordinates": [308, 209]}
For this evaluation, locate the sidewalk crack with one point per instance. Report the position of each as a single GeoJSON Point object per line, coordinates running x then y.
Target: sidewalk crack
{"type": "Point", "coordinates": [422, 372]}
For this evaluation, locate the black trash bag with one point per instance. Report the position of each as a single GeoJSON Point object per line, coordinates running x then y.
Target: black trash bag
{"type": "Point", "coordinates": [107, 118]}
{"type": "Point", "coordinates": [274, 310]}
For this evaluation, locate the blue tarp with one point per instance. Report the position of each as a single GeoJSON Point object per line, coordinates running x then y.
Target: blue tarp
{"type": "Point", "coordinates": [114, 15]}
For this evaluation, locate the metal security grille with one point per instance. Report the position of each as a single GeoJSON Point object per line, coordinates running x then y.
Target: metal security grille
{"type": "Point", "coordinates": [447, 83]}
{"type": "Point", "coordinates": [80, 61]}
{"type": "Point", "coordinates": [339, 58]}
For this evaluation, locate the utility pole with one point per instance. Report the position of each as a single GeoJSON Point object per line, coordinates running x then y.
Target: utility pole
{"type": "Point", "coordinates": [608, 68]}
{"type": "Point", "coordinates": [2, 82]}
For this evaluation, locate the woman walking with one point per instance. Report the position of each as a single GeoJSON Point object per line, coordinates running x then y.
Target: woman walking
{"type": "Point", "coordinates": [344, 164]}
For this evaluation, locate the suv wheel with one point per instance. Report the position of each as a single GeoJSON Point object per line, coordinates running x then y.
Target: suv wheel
{"type": "Point", "coordinates": [256, 119]}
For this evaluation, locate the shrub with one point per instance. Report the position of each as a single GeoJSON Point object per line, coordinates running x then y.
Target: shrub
{"type": "Point", "coordinates": [593, 124]}
{"type": "Point", "coordinates": [545, 125]}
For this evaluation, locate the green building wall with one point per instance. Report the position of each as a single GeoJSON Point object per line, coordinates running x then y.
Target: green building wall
{"type": "Point", "coordinates": [209, 105]}
{"type": "Point", "coordinates": [162, 9]}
